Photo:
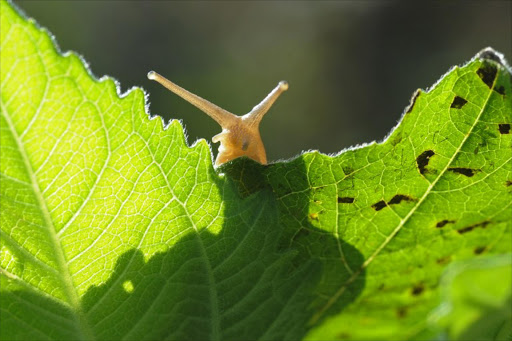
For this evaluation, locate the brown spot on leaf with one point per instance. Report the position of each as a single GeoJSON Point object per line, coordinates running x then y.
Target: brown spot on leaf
{"type": "Point", "coordinates": [444, 260]}
{"type": "Point", "coordinates": [313, 216]}
{"type": "Point", "coordinates": [444, 222]}
{"type": "Point", "coordinates": [470, 228]}
{"type": "Point", "coordinates": [417, 289]}
{"type": "Point", "coordinates": [458, 102]}
{"type": "Point", "coordinates": [345, 200]}
{"type": "Point", "coordinates": [401, 312]}
{"type": "Point", "coordinates": [379, 205]}
{"type": "Point", "coordinates": [423, 159]}
{"type": "Point", "coordinates": [504, 128]}
{"type": "Point", "coordinates": [487, 73]}
{"type": "Point", "coordinates": [347, 170]}
{"type": "Point", "coordinates": [479, 250]}
{"type": "Point", "coordinates": [508, 183]}
{"type": "Point", "coordinates": [464, 171]}
{"type": "Point", "coordinates": [396, 139]}
{"type": "Point", "coordinates": [413, 101]}
{"type": "Point", "coordinates": [399, 198]}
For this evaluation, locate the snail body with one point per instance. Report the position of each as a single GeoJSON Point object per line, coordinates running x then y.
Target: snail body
{"type": "Point", "coordinates": [240, 135]}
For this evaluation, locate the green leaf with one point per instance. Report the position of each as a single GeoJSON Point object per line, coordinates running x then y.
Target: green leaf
{"type": "Point", "coordinates": [113, 228]}
{"type": "Point", "coordinates": [477, 296]}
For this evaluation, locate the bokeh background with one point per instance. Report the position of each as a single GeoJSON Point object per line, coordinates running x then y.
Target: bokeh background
{"type": "Point", "coordinates": [352, 65]}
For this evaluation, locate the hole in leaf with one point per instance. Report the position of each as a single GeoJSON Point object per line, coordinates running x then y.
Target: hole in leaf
{"type": "Point", "coordinates": [399, 198]}
{"type": "Point", "coordinates": [458, 102]}
{"type": "Point", "coordinates": [379, 205]}
{"type": "Point", "coordinates": [423, 159]}
{"type": "Point", "coordinates": [444, 222]}
{"type": "Point", "coordinates": [464, 171]}
{"type": "Point", "coordinates": [472, 227]}
{"type": "Point", "coordinates": [345, 200]}
{"type": "Point", "coordinates": [487, 73]}
{"type": "Point", "coordinates": [504, 128]}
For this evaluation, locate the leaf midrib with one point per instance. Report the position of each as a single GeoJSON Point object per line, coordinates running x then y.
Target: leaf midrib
{"type": "Point", "coordinates": [403, 221]}
{"type": "Point", "coordinates": [83, 329]}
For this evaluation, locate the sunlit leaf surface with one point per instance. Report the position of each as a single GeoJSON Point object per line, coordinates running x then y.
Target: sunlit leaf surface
{"type": "Point", "coordinates": [113, 228]}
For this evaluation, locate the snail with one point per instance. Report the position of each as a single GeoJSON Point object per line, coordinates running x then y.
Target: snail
{"type": "Point", "coordinates": [240, 135]}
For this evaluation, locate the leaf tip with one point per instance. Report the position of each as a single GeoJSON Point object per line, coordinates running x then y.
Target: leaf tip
{"type": "Point", "coordinates": [491, 54]}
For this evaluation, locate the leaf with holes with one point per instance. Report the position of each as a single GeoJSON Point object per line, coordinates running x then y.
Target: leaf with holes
{"type": "Point", "coordinates": [113, 228]}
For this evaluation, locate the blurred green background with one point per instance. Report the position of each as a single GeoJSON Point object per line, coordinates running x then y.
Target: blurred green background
{"type": "Point", "coordinates": [352, 65]}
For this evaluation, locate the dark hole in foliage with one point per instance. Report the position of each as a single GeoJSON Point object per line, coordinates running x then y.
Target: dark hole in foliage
{"type": "Point", "coordinates": [345, 200]}
{"type": "Point", "coordinates": [399, 198]}
{"type": "Point", "coordinates": [417, 289]}
{"type": "Point", "coordinates": [444, 222]}
{"type": "Point", "coordinates": [504, 128]}
{"type": "Point", "coordinates": [466, 229]}
{"type": "Point", "coordinates": [423, 159]}
{"type": "Point", "coordinates": [464, 171]}
{"type": "Point", "coordinates": [401, 312]}
{"type": "Point", "coordinates": [487, 73]}
{"type": "Point", "coordinates": [479, 250]}
{"type": "Point", "coordinates": [508, 183]}
{"type": "Point", "coordinates": [347, 170]}
{"type": "Point", "coordinates": [413, 101]}
{"type": "Point", "coordinates": [500, 89]}
{"type": "Point", "coordinates": [458, 102]}
{"type": "Point", "coordinates": [379, 205]}
{"type": "Point", "coordinates": [472, 227]}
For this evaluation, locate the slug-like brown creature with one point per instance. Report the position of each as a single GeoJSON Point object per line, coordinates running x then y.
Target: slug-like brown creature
{"type": "Point", "coordinates": [240, 135]}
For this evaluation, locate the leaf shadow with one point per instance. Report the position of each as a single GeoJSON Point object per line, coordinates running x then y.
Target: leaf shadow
{"type": "Point", "coordinates": [267, 275]}
{"type": "Point", "coordinates": [333, 266]}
